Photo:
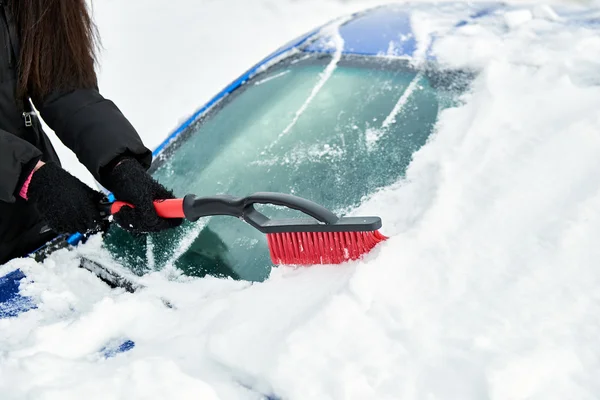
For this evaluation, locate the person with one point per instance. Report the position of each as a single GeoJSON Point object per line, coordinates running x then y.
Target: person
{"type": "Point", "coordinates": [49, 65]}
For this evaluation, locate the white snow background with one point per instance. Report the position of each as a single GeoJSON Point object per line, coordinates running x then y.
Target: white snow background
{"type": "Point", "coordinates": [487, 288]}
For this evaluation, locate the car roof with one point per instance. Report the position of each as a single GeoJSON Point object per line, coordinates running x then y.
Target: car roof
{"type": "Point", "coordinates": [390, 30]}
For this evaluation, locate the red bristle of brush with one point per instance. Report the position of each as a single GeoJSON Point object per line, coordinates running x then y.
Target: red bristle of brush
{"type": "Point", "coordinates": [311, 248]}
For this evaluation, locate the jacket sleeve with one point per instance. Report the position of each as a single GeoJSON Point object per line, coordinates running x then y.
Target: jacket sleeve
{"type": "Point", "coordinates": [93, 128]}
{"type": "Point", "coordinates": [17, 159]}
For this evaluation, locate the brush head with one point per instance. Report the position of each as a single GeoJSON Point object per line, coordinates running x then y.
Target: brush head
{"type": "Point", "coordinates": [313, 248]}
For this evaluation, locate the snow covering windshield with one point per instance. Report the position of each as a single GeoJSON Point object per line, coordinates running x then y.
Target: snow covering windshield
{"type": "Point", "coordinates": [330, 130]}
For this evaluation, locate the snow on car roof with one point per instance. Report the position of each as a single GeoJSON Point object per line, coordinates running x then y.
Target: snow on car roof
{"type": "Point", "coordinates": [391, 30]}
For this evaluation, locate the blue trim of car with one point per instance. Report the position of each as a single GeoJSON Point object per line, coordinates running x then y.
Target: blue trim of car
{"type": "Point", "coordinates": [12, 303]}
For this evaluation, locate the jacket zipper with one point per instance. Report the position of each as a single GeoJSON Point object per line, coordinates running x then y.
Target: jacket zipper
{"type": "Point", "coordinates": [28, 119]}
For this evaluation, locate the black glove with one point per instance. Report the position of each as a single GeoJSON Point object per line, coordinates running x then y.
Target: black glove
{"type": "Point", "coordinates": [129, 182]}
{"type": "Point", "coordinates": [63, 201]}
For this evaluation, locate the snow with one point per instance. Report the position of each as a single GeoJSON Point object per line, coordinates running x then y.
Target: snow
{"type": "Point", "coordinates": [516, 18]}
{"type": "Point", "coordinates": [486, 289]}
{"type": "Point", "coordinates": [337, 45]}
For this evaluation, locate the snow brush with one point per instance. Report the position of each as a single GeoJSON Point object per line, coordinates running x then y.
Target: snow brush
{"type": "Point", "coordinates": [325, 239]}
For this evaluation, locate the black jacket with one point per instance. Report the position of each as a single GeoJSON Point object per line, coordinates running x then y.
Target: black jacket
{"type": "Point", "coordinates": [86, 122]}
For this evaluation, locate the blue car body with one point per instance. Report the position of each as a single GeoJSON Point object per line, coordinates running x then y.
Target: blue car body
{"type": "Point", "coordinates": [368, 33]}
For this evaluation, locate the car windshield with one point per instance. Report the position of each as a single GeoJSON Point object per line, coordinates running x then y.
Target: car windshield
{"type": "Point", "coordinates": [329, 132]}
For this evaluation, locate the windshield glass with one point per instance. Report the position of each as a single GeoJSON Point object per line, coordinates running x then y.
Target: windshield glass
{"type": "Point", "coordinates": [329, 133]}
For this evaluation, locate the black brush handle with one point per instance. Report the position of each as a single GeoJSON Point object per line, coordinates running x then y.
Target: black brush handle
{"type": "Point", "coordinates": [194, 208]}
{"type": "Point", "coordinates": [305, 206]}
{"type": "Point", "coordinates": [243, 207]}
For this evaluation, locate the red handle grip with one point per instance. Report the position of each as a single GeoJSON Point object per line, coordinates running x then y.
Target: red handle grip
{"type": "Point", "coordinates": [169, 208]}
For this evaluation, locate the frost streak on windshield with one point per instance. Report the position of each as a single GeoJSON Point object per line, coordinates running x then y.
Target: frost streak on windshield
{"type": "Point", "coordinates": [272, 77]}
{"type": "Point", "coordinates": [338, 44]}
{"type": "Point", "coordinates": [390, 119]}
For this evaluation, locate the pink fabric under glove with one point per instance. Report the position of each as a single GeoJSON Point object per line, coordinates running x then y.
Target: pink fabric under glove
{"type": "Point", "coordinates": [25, 187]}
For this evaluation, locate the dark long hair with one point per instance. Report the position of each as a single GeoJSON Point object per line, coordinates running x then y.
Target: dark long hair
{"type": "Point", "coordinates": [58, 46]}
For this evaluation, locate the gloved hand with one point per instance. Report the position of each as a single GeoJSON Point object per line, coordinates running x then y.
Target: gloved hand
{"type": "Point", "coordinates": [129, 182]}
{"type": "Point", "coordinates": [63, 201]}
